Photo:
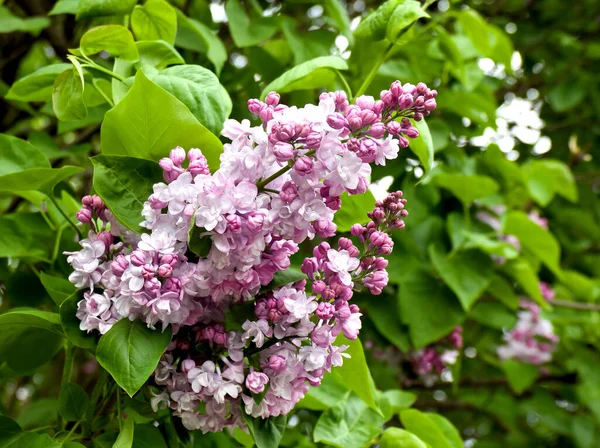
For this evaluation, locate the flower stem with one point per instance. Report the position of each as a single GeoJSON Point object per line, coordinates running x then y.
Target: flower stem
{"type": "Point", "coordinates": [345, 83]}
{"type": "Point", "coordinates": [77, 230]}
{"type": "Point", "coordinates": [369, 79]}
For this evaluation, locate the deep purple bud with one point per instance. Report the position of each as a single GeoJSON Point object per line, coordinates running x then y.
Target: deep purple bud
{"type": "Point", "coordinates": [84, 216]}
{"type": "Point", "coordinates": [303, 165]}
{"type": "Point", "coordinates": [377, 130]}
{"type": "Point", "coordinates": [319, 287]}
{"type": "Point", "coordinates": [118, 265]}
{"type": "Point", "coordinates": [288, 192]}
{"type": "Point", "coordinates": [324, 228]}
{"type": "Point", "coordinates": [310, 266]}
{"type": "Point", "coordinates": [165, 270]}
{"type": "Point", "coordinates": [277, 363]}
{"type": "Point", "coordinates": [336, 121]}
{"type": "Point", "coordinates": [313, 140]}
{"type": "Point", "coordinates": [106, 238]}
{"type": "Point", "coordinates": [138, 258]}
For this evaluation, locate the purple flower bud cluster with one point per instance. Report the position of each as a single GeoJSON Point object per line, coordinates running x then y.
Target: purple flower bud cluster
{"type": "Point", "coordinates": [278, 185]}
{"type": "Point", "coordinates": [532, 340]}
{"type": "Point", "coordinates": [433, 359]}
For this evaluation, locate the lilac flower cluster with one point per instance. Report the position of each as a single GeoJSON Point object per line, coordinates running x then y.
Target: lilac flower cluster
{"type": "Point", "coordinates": [216, 242]}
{"type": "Point", "coordinates": [433, 359]}
{"type": "Point", "coordinates": [532, 340]}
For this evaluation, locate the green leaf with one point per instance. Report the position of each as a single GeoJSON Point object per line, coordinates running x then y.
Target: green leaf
{"type": "Point", "coordinates": [195, 35]}
{"type": "Point", "coordinates": [282, 278]}
{"type": "Point", "coordinates": [399, 438]}
{"type": "Point", "coordinates": [431, 319]}
{"type": "Point", "coordinates": [520, 375]}
{"type": "Point", "coordinates": [466, 188]}
{"type": "Point", "coordinates": [503, 290]}
{"type": "Point", "coordinates": [422, 146]}
{"type": "Point", "coordinates": [247, 31]}
{"type": "Point", "coordinates": [115, 39]}
{"type": "Point", "coordinates": [451, 433]}
{"type": "Point", "coordinates": [330, 392]}
{"type": "Point", "coordinates": [199, 89]}
{"type": "Point", "coordinates": [348, 424]}
{"type": "Point", "coordinates": [124, 184]}
{"type": "Point", "coordinates": [154, 20]}
{"type": "Point", "coordinates": [534, 238]}
{"type": "Point", "coordinates": [71, 323]}
{"type": "Point", "coordinates": [158, 54]}
{"type": "Point", "coordinates": [386, 319]}
{"type": "Point", "coordinates": [267, 433]}
{"type": "Point", "coordinates": [149, 122]}
{"type": "Point", "coordinates": [148, 436]}
{"type": "Point", "coordinates": [22, 234]}
{"type": "Point", "coordinates": [337, 12]}
{"type": "Point", "coordinates": [566, 95]}
{"type": "Point", "coordinates": [40, 179]}
{"type": "Point", "coordinates": [354, 210]}
{"type": "Point", "coordinates": [98, 8]}
{"type": "Point", "coordinates": [494, 315]}
{"type": "Point", "coordinates": [18, 155]}
{"type": "Point", "coordinates": [492, 246]}
{"type": "Point", "coordinates": [58, 288]}
{"type": "Point", "coordinates": [546, 178]}
{"type": "Point", "coordinates": [67, 96]}
{"type": "Point", "coordinates": [38, 85]}
{"type": "Point", "coordinates": [125, 438]}
{"type": "Point", "coordinates": [405, 14]}
{"type": "Point", "coordinates": [9, 429]}
{"type": "Point", "coordinates": [354, 373]}
{"type": "Point", "coordinates": [425, 428]}
{"type": "Point", "coordinates": [33, 440]}
{"type": "Point", "coordinates": [29, 338]}
{"type": "Point", "coordinates": [64, 7]}
{"type": "Point", "coordinates": [399, 399]}
{"type": "Point", "coordinates": [10, 23]}
{"type": "Point", "coordinates": [130, 351]}
{"type": "Point", "coordinates": [316, 73]}
{"type": "Point", "coordinates": [72, 402]}
{"type": "Point", "coordinates": [466, 273]}
{"type": "Point", "coordinates": [474, 26]}
{"type": "Point", "coordinates": [375, 25]}
{"type": "Point", "coordinates": [523, 273]}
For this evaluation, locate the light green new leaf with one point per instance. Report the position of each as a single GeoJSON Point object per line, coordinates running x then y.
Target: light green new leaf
{"type": "Point", "coordinates": [425, 428]}
{"type": "Point", "coordinates": [354, 373]}
{"type": "Point", "coordinates": [37, 334]}
{"type": "Point", "coordinates": [72, 402]}
{"type": "Point", "coordinates": [400, 438]}
{"type": "Point", "coordinates": [522, 272]}
{"type": "Point", "coordinates": [492, 246]}
{"type": "Point", "coordinates": [267, 433]}
{"type": "Point", "coordinates": [474, 26]}
{"type": "Point", "coordinates": [468, 274]}
{"type": "Point", "coordinates": [520, 375]}
{"type": "Point", "coordinates": [546, 178]}
{"type": "Point", "coordinates": [196, 36]}
{"type": "Point", "coordinates": [38, 85]}
{"type": "Point", "coordinates": [67, 96]}
{"type": "Point", "coordinates": [130, 351]}
{"type": "Point", "coordinates": [466, 188]}
{"type": "Point", "coordinates": [337, 12]}
{"type": "Point", "coordinates": [451, 433]}
{"type": "Point", "coordinates": [330, 392]}
{"type": "Point", "coordinates": [534, 238]}
{"type": "Point", "coordinates": [64, 7]}
{"type": "Point", "coordinates": [149, 122]}
{"type": "Point", "coordinates": [116, 39]}
{"type": "Point", "coordinates": [125, 438]}
{"type": "Point", "coordinates": [154, 20]}
{"type": "Point", "coordinates": [10, 23]}
{"type": "Point", "coordinates": [58, 288]}
{"type": "Point", "coordinates": [422, 146]}
{"type": "Point", "coordinates": [431, 319]}
{"type": "Point", "coordinates": [124, 184]}
{"type": "Point", "coordinates": [158, 54]}
{"type": "Point", "coordinates": [99, 8]}
{"type": "Point", "coordinates": [405, 14]}
{"type": "Point", "coordinates": [40, 179]}
{"type": "Point", "coordinates": [18, 155]}
{"type": "Point", "coordinates": [199, 89]}
{"type": "Point", "coordinates": [72, 325]}
{"type": "Point", "coordinates": [399, 399]}
{"type": "Point", "coordinates": [316, 73]}
{"type": "Point", "coordinates": [248, 31]}
{"type": "Point", "coordinates": [354, 210]}
{"type": "Point", "coordinates": [374, 26]}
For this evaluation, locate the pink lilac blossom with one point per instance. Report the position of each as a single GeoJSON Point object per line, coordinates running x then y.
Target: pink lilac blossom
{"type": "Point", "coordinates": [278, 185]}
{"type": "Point", "coordinates": [532, 340]}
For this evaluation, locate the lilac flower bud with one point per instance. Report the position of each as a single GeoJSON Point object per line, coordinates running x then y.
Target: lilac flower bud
{"type": "Point", "coordinates": [199, 166]}
{"type": "Point", "coordinates": [376, 282]}
{"type": "Point", "coordinates": [84, 216]}
{"type": "Point", "coordinates": [106, 238]}
{"type": "Point", "coordinates": [166, 164]}
{"type": "Point", "coordinates": [234, 223]}
{"type": "Point", "coordinates": [320, 251]}
{"type": "Point", "coordinates": [336, 121]}
{"type": "Point", "coordinates": [406, 101]}
{"type": "Point", "coordinates": [152, 286]}
{"type": "Point", "coordinates": [138, 258]}
{"type": "Point", "coordinates": [325, 310]}
{"type": "Point", "coordinates": [417, 116]}
{"type": "Point", "coordinates": [346, 293]}
{"type": "Point", "coordinates": [387, 98]}
{"type": "Point", "coordinates": [357, 230]}
{"type": "Point", "coordinates": [272, 99]}
{"type": "Point", "coordinates": [118, 265]}
{"type": "Point", "coordinates": [430, 105]}
{"type": "Point", "coordinates": [377, 238]}
{"type": "Point", "coordinates": [380, 263]}
{"type": "Point", "coordinates": [195, 154]}
{"type": "Point", "coordinates": [148, 271]}
{"type": "Point", "coordinates": [368, 117]}
{"type": "Point", "coordinates": [318, 287]}
{"type": "Point", "coordinates": [313, 140]}
{"type": "Point", "coordinates": [367, 151]}
{"type": "Point", "coordinates": [170, 259]}
{"type": "Point", "coordinates": [333, 202]}
{"type": "Point", "coordinates": [422, 88]}
{"type": "Point", "coordinates": [220, 337]}
{"type": "Point", "coordinates": [310, 266]}
{"type": "Point", "coordinates": [283, 152]}
{"type": "Point", "coordinates": [254, 222]}
{"type": "Point", "coordinates": [321, 336]}
{"type": "Point", "coordinates": [87, 201]}
{"type": "Point", "coordinates": [396, 89]}
{"type": "Point", "coordinates": [277, 363]}
{"type": "Point", "coordinates": [355, 123]}
{"type": "Point", "coordinates": [303, 165]}
{"type": "Point", "coordinates": [187, 365]}
{"type": "Point", "coordinates": [343, 312]}
{"type": "Point", "coordinates": [394, 128]}
{"type": "Point", "coordinates": [165, 270]}
{"type": "Point", "coordinates": [288, 192]}
{"type": "Point", "coordinates": [255, 106]}
{"type": "Point", "coordinates": [266, 114]}
{"type": "Point", "coordinates": [377, 130]}
{"type": "Point", "coordinates": [156, 204]}
{"type": "Point", "coordinates": [173, 284]}
{"type": "Point", "coordinates": [177, 155]}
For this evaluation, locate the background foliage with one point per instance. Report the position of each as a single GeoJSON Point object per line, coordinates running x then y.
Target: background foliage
{"type": "Point", "coordinates": [515, 131]}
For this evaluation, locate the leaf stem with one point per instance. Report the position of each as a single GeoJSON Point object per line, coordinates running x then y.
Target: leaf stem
{"type": "Point", "coordinates": [574, 305]}
{"type": "Point", "coordinates": [77, 230]}
{"type": "Point", "coordinates": [369, 79]}
{"type": "Point", "coordinates": [104, 70]}
{"type": "Point", "coordinates": [67, 372]}
{"type": "Point", "coordinates": [66, 439]}
{"type": "Point", "coordinates": [345, 83]}
{"type": "Point", "coordinates": [96, 394]}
